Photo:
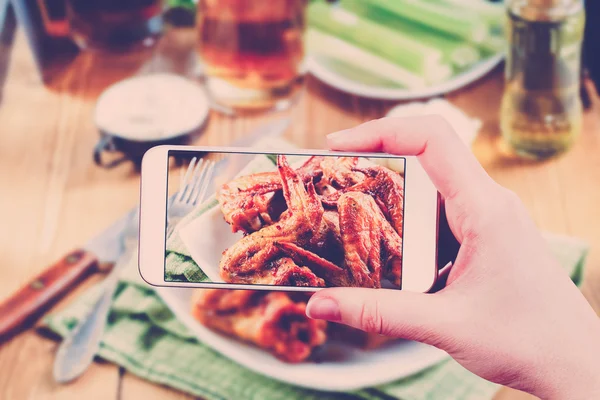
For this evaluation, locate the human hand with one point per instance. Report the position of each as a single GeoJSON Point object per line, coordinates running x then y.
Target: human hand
{"type": "Point", "coordinates": [509, 313]}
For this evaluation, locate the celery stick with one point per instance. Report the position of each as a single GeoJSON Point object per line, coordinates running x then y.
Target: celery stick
{"type": "Point", "coordinates": [493, 45]}
{"type": "Point", "coordinates": [458, 22]}
{"type": "Point", "coordinates": [394, 46]}
{"type": "Point", "coordinates": [357, 73]}
{"type": "Point", "coordinates": [455, 51]}
{"type": "Point", "coordinates": [492, 13]}
{"type": "Point", "coordinates": [339, 53]}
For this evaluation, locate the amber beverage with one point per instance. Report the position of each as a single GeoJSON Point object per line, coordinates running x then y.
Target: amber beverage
{"type": "Point", "coordinates": [252, 51]}
{"type": "Point", "coordinates": [114, 24]}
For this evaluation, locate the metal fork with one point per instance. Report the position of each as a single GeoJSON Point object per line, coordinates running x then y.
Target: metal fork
{"type": "Point", "coordinates": [78, 349]}
{"type": "Point", "coordinates": [192, 190]}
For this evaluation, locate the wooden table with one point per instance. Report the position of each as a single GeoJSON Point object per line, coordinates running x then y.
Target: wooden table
{"type": "Point", "coordinates": [53, 197]}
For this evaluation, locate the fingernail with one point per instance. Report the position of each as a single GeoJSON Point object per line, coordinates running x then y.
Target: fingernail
{"type": "Point", "coordinates": [337, 135]}
{"type": "Point", "coordinates": [323, 308]}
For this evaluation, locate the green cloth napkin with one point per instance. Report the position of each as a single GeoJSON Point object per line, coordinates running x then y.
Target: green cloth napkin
{"type": "Point", "coordinates": [144, 337]}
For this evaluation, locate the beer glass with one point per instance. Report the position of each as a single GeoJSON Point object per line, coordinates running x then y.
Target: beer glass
{"type": "Point", "coordinates": [252, 52]}
{"type": "Point", "coordinates": [104, 24]}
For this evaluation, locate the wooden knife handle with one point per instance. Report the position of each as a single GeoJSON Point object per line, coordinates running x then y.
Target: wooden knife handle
{"type": "Point", "coordinates": [31, 300]}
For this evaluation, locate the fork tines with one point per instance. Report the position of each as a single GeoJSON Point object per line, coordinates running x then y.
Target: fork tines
{"type": "Point", "coordinates": [194, 183]}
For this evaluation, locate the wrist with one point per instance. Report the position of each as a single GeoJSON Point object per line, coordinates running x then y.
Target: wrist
{"type": "Point", "coordinates": [578, 381]}
{"type": "Point", "coordinates": [573, 393]}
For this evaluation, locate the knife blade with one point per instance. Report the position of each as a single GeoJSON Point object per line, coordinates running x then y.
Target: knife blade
{"type": "Point", "coordinates": [79, 347]}
{"type": "Point", "coordinates": [21, 309]}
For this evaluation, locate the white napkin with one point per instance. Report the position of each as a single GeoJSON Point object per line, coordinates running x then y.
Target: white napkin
{"type": "Point", "coordinates": [465, 126]}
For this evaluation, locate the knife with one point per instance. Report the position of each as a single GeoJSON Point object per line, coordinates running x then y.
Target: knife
{"type": "Point", "coordinates": [22, 308]}
{"type": "Point", "coordinates": [79, 347]}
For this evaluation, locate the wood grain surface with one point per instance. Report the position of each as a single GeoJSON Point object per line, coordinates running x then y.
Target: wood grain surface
{"type": "Point", "coordinates": [53, 198]}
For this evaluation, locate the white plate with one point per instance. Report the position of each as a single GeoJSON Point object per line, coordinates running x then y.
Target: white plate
{"type": "Point", "coordinates": [207, 237]}
{"type": "Point", "coordinates": [341, 368]}
{"type": "Point", "coordinates": [339, 82]}
{"type": "Point", "coordinates": [347, 368]}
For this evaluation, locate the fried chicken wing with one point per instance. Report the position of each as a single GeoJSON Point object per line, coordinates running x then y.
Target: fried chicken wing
{"type": "Point", "coordinates": [252, 201]}
{"type": "Point", "coordinates": [338, 173]}
{"type": "Point", "coordinates": [283, 271]}
{"type": "Point", "coordinates": [246, 261]}
{"type": "Point", "coordinates": [372, 247]}
{"type": "Point", "coordinates": [288, 273]}
{"type": "Point", "coordinates": [355, 243]}
{"type": "Point", "coordinates": [270, 320]}
{"type": "Point", "coordinates": [386, 187]}
{"type": "Point", "coordinates": [335, 275]}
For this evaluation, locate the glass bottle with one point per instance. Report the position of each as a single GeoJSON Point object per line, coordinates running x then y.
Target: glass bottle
{"type": "Point", "coordinates": [541, 109]}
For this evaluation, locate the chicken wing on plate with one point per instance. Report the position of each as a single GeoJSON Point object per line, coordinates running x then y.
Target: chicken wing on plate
{"type": "Point", "coordinates": [355, 243]}
{"type": "Point", "coordinates": [252, 201]}
{"type": "Point", "coordinates": [386, 187]}
{"type": "Point", "coordinates": [270, 320]}
{"type": "Point", "coordinates": [338, 173]}
{"type": "Point", "coordinates": [372, 247]}
{"type": "Point", "coordinates": [285, 272]}
{"type": "Point", "coordinates": [249, 259]}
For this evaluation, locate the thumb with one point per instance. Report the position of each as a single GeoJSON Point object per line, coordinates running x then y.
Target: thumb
{"type": "Point", "coordinates": [390, 312]}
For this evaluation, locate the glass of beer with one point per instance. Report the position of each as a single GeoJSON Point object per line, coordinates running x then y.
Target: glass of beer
{"type": "Point", "coordinates": [114, 24]}
{"type": "Point", "coordinates": [104, 24]}
{"type": "Point", "coordinates": [252, 52]}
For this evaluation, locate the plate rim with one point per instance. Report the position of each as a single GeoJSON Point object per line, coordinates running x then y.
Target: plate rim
{"type": "Point", "coordinates": [212, 340]}
{"type": "Point", "coordinates": [348, 86]}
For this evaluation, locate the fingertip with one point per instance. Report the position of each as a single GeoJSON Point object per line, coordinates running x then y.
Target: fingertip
{"type": "Point", "coordinates": [336, 140]}
{"type": "Point", "coordinates": [357, 139]}
{"type": "Point", "coordinates": [322, 307]}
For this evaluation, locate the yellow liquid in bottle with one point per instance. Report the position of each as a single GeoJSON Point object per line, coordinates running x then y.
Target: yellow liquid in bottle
{"type": "Point", "coordinates": [541, 109]}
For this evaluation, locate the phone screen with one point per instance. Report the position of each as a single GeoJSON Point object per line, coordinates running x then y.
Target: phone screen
{"type": "Point", "coordinates": [285, 219]}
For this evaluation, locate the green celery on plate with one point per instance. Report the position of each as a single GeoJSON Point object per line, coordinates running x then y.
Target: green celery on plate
{"type": "Point", "coordinates": [340, 56]}
{"type": "Point", "coordinates": [416, 57]}
{"type": "Point", "coordinates": [491, 13]}
{"type": "Point", "coordinates": [456, 51]}
{"type": "Point", "coordinates": [460, 22]}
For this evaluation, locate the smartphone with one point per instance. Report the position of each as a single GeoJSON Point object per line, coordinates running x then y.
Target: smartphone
{"type": "Point", "coordinates": [296, 220]}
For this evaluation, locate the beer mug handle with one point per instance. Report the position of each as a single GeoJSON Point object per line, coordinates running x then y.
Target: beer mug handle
{"type": "Point", "coordinates": [54, 17]}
